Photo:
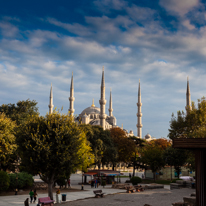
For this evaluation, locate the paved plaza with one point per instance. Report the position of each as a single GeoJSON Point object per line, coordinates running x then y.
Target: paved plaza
{"type": "Point", "coordinates": [156, 197]}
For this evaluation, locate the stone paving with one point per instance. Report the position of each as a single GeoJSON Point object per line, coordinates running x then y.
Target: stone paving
{"type": "Point", "coordinates": [157, 197]}
{"type": "Point", "coordinates": [70, 196]}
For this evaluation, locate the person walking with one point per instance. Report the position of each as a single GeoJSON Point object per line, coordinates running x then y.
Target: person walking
{"type": "Point", "coordinates": [35, 195]}
{"type": "Point", "coordinates": [95, 183]}
{"type": "Point", "coordinates": [31, 194]}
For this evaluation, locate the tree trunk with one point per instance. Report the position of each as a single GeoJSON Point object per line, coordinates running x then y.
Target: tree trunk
{"type": "Point", "coordinates": [154, 176]}
{"type": "Point", "coordinates": [113, 167]}
{"type": "Point", "coordinates": [134, 166]}
{"type": "Point", "coordinates": [171, 172]}
{"type": "Point", "coordinates": [50, 192]}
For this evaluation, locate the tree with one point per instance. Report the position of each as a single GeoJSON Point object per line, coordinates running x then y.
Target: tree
{"type": "Point", "coordinates": [20, 112]}
{"type": "Point", "coordinates": [135, 159]}
{"type": "Point", "coordinates": [7, 142]}
{"type": "Point", "coordinates": [125, 146]}
{"type": "Point", "coordinates": [101, 143]}
{"type": "Point", "coordinates": [153, 156]}
{"type": "Point", "coordinates": [175, 157]}
{"type": "Point", "coordinates": [53, 146]}
{"type": "Point", "coordinates": [189, 125]}
{"type": "Point", "coordinates": [162, 143]}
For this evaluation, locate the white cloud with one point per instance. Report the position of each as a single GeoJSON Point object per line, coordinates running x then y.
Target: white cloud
{"type": "Point", "coordinates": [140, 13]}
{"type": "Point", "coordinates": [188, 25]}
{"type": "Point", "coordinates": [179, 7]}
{"type": "Point", "coordinates": [107, 5]}
{"type": "Point", "coordinates": [8, 30]}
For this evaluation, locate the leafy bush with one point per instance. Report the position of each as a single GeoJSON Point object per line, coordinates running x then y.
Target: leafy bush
{"type": "Point", "coordinates": [174, 181]}
{"type": "Point", "coordinates": [136, 180]}
{"type": "Point", "coordinates": [61, 181]}
{"type": "Point", "coordinates": [21, 180]}
{"type": "Point", "coordinates": [4, 181]}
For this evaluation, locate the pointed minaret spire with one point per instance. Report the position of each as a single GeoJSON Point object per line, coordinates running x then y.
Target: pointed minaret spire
{"type": "Point", "coordinates": [102, 102]}
{"type": "Point", "coordinates": [188, 97]}
{"type": "Point", "coordinates": [139, 114]}
{"type": "Point", "coordinates": [71, 98]}
{"type": "Point", "coordinates": [110, 104]}
{"type": "Point", "coordinates": [51, 101]}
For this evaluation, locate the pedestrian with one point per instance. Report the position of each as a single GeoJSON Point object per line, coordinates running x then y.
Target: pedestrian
{"type": "Point", "coordinates": [35, 195]}
{"type": "Point", "coordinates": [31, 195]}
{"type": "Point", "coordinates": [95, 183]}
{"type": "Point", "coordinates": [98, 182]}
{"type": "Point", "coordinates": [69, 183]}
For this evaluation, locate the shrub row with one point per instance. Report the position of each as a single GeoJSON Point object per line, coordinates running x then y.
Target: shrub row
{"type": "Point", "coordinates": [12, 181]}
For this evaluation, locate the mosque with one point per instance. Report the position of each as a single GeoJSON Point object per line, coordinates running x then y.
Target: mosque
{"type": "Point", "coordinates": [96, 115]}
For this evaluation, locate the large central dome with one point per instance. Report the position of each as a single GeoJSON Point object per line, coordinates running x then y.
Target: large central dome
{"type": "Point", "coordinates": [91, 110]}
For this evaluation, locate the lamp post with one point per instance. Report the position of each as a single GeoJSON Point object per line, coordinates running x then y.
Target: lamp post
{"type": "Point", "coordinates": [82, 175]}
{"type": "Point", "coordinates": [16, 190]}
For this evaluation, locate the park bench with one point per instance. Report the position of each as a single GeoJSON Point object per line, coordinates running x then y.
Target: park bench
{"type": "Point", "coordinates": [130, 189]}
{"type": "Point", "coordinates": [139, 188]}
{"type": "Point", "coordinates": [46, 201]}
{"type": "Point", "coordinates": [190, 200]}
{"type": "Point", "coordinates": [98, 193]}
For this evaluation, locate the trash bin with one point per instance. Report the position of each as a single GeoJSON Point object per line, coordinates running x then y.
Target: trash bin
{"type": "Point", "coordinates": [64, 197]}
{"type": "Point", "coordinates": [58, 198]}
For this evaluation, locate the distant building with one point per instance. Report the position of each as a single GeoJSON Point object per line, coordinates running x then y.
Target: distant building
{"type": "Point", "coordinates": [96, 116]}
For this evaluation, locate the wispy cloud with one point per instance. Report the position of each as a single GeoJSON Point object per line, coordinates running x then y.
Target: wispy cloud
{"type": "Point", "coordinates": [179, 7]}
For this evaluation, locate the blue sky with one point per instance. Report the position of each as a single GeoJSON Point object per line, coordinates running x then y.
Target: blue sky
{"type": "Point", "coordinates": [159, 42]}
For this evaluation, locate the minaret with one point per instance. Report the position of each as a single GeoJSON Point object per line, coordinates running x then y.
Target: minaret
{"type": "Point", "coordinates": [102, 102]}
{"type": "Point", "coordinates": [51, 101]}
{"type": "Point", "coordinates": [188, 96]}
{"type": "Point", "coordinates": [71, 98]}
{"type": "Point", "coordinates": [139, 114]}
{"type": "Point", "coordinates": [110, 104]}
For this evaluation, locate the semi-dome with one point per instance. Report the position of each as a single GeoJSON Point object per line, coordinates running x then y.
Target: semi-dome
{"type": "Point", "coordinates": [148, 136]}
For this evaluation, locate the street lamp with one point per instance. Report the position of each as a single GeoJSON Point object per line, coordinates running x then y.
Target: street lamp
{"type": "Point", "coordinates": [16, 190]}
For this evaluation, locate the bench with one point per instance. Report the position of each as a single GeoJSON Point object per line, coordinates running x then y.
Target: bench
{"type": "Point", "coordinates": [130, 189]}
{"type": "Point", "coordinates": [139, 188]}
{"type": "Point", "coordinates": [98, 193]}
{"type": "Point", "coordinates": [46, 201]}
{"type": "Point", "coordinates": [190, 200]}
{"type": "Point", "coordinates": [175, 186]}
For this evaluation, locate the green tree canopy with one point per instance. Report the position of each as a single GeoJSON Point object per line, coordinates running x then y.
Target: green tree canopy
{"type": "Point", "coordinates": [101, 143]}
{"type": "Point", "coordinates": [20, 112]}
{"type": "Point", "coordinates": [135, 160]}
{"type": "Point", "coordinates": [52, 146]}
{"type": "Point", "coordinates": [153, 156]}
{"type": "Point", "coordinates": [175, 157]}
{"type": "Point", "coordinates": [7, 142]}
{"type": "Point", "coordinates": [191, 124]}
{"type": "Point", "coordinates": [125, 146]}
